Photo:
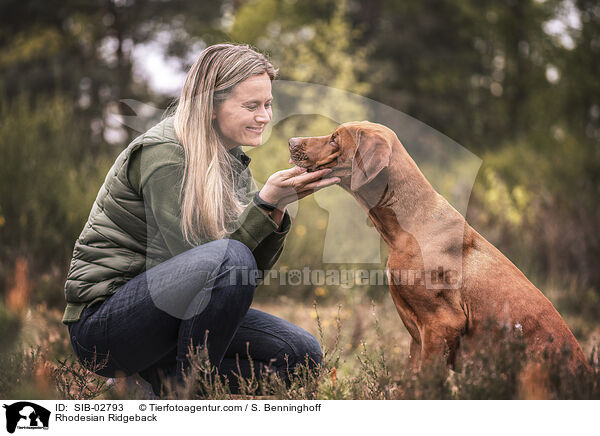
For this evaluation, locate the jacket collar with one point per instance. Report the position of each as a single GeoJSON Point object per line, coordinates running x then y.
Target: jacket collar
{"type": "Point", "coordinates": [241, 156]}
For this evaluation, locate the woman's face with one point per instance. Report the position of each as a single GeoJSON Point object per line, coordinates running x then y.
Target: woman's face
{"type": "Point", "coordinates": [244, 114]}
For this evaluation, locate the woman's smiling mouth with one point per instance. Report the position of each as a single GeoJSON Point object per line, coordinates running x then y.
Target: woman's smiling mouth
{"type": "Point", "coordinates": [255, 129]}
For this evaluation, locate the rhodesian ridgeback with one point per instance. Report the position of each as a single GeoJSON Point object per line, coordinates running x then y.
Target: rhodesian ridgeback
{"type": "Point", "coordinates": [447, 281]}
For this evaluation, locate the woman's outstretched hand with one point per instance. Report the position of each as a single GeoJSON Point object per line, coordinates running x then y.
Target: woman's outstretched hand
{"type": "Point", "coordinates": [286, 186]}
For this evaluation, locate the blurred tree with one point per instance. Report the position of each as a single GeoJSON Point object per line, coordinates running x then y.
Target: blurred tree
{"type": "Point", "coordinates": [64, 66]}
{"type": "Point", "coordinates": [582, 69]}
{"type": "Point", "coordinates": [575, 179]}
{"type": "Point", "coordinates": [488, 74]}
{"type": "Point", "coordinates": [45, 188]}
{"type": "Point", "coordinates": [84, 50]}
{"type": "Point", "coordinates": [470, 69]}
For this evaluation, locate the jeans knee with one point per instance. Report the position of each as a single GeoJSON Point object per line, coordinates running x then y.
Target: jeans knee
{"type": "Point", "coordinates": [305, 350]}
{"type": "Point", "coordinates": [241, 264]}
{"type": "Point", "coordinates": [239, 255]}
{"type": "Point", "coordinates": [238, 268]}
{"type": "Point", "coordinates": [312, 351]}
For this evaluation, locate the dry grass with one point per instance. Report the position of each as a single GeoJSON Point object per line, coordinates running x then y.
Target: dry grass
{"type": "Point", "coordinates": [365, 355]}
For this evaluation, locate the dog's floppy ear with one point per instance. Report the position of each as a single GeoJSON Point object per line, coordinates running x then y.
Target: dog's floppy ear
{"type": "Point", "coordinates": [372, 154]}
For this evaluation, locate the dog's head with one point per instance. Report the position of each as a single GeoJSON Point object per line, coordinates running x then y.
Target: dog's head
{"type": "Point", "coordinates": [357, 152]}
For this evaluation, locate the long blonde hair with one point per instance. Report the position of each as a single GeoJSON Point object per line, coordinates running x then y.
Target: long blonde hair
{"type": "Point", "coordinates": [209, 203]}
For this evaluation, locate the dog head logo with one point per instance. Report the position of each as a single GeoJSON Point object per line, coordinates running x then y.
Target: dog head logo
{"type": "Point", "coordinates": [26, 415]}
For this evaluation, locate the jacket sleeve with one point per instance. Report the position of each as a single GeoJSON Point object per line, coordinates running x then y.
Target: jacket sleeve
{"type": "Point", "coordinates": [271, 243]}
{"type": "Point", "coordinates": [160, 187]}
{"type": "Point", "coordinates": [266, 239]}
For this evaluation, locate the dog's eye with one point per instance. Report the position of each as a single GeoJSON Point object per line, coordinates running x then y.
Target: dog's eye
{"type": "Point", "coordinates": [332, 141]}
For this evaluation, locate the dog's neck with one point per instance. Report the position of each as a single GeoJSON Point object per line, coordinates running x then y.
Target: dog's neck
{"type": "Point", "coordinates": [401, 203]}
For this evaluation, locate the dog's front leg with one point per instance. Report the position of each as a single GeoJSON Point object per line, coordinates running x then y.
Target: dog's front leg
{"type": "Point", "coordinates": [440, 343]}
{"type": "Point", "coordinates": [414, 358]}
{"type": "Point", "coordinates": [435, 345]}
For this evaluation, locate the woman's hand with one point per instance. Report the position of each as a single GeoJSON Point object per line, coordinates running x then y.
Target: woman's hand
{"type": "Point", "coordinates": [286, 186]}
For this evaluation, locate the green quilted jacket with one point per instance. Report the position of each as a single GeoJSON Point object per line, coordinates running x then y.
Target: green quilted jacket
{"type": "Point", "coordinates": [135, 221]}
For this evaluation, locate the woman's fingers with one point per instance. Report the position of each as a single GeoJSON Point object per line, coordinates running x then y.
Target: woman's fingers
{"type": "Point", "coordinates": [299, 176]}
{"type": "Point", "coordinates": [309, 189]}
{"type": "Point", "coordinates": [287, 186]}
{"type": "Point", "coordinates": [315, 175]}
{"type": "Point", "coordinates": [322, 183]}
{"type": "Point", "coordinates": [303, 179]}
{"type": "Point", "coordinates": [292, 172]}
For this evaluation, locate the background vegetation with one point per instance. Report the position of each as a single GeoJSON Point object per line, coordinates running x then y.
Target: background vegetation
{"type": "Point", "coordinates": [514, 82]}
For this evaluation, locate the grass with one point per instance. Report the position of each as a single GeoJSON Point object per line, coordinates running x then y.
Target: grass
{"type": "Point", "coordinates": [365, 357]}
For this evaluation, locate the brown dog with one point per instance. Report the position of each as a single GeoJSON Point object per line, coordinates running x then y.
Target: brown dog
{"type": "Point", "coordinates": [445, 279]}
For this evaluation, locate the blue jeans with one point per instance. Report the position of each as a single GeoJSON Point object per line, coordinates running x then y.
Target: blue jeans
{"type": "Point", "coordinates": [200, 298]}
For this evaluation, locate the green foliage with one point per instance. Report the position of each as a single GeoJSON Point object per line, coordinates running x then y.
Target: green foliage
{"type": "Point", "coordinates": [320, 50]}
{"type": "Point", "coordinates": [42, 44]}
{"type": "Point", "coordinates": [10, 325]}
{"type": "Point", "coordinates": [18, 373]}
{"type": "Point", "coordinates": [473, 70]}
{"type": "Point", "coordinates": [46, 186]}
{"type": "Point", "coordinates": [537, 201]}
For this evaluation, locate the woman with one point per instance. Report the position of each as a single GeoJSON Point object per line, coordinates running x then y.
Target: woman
{"type": "Point", "coordinates": [163, 265]}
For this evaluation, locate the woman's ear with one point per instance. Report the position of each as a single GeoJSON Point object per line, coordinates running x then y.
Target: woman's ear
{"type": "Point", "coordinates": [372, 155]}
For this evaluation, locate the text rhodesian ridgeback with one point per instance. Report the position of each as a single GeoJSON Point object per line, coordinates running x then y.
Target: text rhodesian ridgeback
{"type": "Point", "coordinates": [426, 234]}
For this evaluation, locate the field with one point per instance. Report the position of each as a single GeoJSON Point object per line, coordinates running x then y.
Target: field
{"type": "Point", "coordinates": [365, 357]}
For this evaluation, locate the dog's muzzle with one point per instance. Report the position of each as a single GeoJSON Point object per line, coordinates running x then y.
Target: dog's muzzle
{"type": "Point", "coordinates": [297, 152]}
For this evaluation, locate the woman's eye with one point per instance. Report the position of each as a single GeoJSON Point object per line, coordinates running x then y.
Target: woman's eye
{"type": "Point", "coordinates": [254, 107]}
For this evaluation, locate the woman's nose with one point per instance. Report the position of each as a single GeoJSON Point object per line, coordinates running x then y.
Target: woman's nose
{"type": "Point", "coordinates": [263, 115]}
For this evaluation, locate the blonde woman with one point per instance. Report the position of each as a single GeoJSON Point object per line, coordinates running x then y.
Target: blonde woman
{"type": "Point", "coordinates": [166, 260]}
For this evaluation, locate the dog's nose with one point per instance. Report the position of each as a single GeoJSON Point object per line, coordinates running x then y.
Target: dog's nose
{"type": "Point", "coordinates": [297, 153]}
{"type": "Point", "coordinates": [294, 142]}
